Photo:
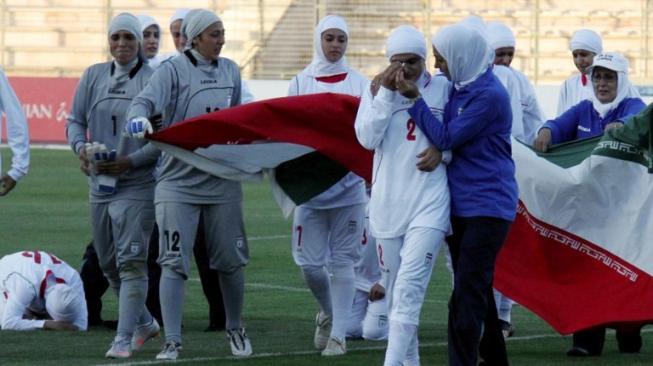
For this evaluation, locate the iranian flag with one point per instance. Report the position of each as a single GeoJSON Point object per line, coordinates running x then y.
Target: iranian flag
{"type": "Point", "coordinates": [580, 252]}
{"type": "Point", "coordinates": [305, 144]}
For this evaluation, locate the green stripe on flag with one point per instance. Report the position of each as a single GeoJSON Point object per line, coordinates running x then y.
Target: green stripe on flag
{"type": "Point", "coordinates": [569, 154]}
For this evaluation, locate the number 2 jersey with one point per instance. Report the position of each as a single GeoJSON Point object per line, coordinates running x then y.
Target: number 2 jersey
{"type": "Point", "coordinates": [403, 197]}
{"type": "Point", "coordinates": [99, 112]}
{"type": "Point", "coordinates": [24, 279]}
{"type": "Point", "coordinates": [184, 87]}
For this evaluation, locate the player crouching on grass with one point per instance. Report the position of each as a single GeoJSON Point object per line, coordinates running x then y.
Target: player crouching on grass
{"type": "Point", "coordinates": [40, 291]}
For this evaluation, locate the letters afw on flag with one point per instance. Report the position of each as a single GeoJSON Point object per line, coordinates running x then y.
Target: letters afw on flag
{"type": "Point", "coordinates": [580, 252]}
{"type": "Point", "coordinates": [305, 144]}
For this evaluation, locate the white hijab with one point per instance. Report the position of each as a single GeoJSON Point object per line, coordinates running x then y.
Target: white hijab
{"type": "Point", "coordinates": [320, 66]}
{"type": "Point", "coordinates": [129, 23]}
{"type": "Point", "coordinates": [616, 62]}
{"type": "Point", "coordinates": [500, 35]}
{"type": "Point", "coordinates": [179, 14]}
{"type": "Point", "coordinates": [405, 39]}
{"type": "Point", "coordinates": [465, 50]}
{"type": "Point", "coordinates": [586, 39]}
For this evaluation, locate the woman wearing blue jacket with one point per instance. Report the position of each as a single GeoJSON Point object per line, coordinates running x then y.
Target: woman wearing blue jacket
{"type": "Point", "coordinates": [608, 108]}
{"type": "Point", "coordinates": [476, 127]}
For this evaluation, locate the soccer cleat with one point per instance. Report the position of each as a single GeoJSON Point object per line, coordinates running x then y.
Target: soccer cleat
{"type": "Point", "coordinates": [144, 333]}
{"type": "Point", "coordinates": [240, 345]}
{"type": "Point", "coordinates": [335, 347]}
{"type": "Point", "coordinates": [120, 348]}
{"type": "Point", "coordinates": [322, 330]}
{"type": "Point", "coordinates": [506, 329]}
{"type": "Point", "coordinates": [169, 351]}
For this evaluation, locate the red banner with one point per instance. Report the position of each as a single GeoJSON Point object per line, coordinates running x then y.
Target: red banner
{"type": "Point", "coordinates": [46, 102]}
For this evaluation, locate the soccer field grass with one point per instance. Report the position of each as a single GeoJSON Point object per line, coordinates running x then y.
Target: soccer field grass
{"type": "Point", "coordinates": [48, 210]}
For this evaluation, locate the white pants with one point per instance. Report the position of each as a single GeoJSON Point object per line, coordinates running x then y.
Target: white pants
{"type": "Point", "coordinates": [327, 236]}
{"type": "Point", "coordinates": [407, 263]}
{"type": "Point", "coordinates": [369, 319]}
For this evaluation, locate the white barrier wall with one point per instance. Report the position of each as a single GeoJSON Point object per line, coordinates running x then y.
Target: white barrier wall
{"type": "Point", "coordinates": [546, 94]}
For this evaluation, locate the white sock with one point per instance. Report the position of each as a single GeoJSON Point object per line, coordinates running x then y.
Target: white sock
{"type": "Point", "coordinates": [342, 299]}
{"type": "Point", "coordinates": [399, 338]}
{"type": "Point", "coordinates": [317, 280]}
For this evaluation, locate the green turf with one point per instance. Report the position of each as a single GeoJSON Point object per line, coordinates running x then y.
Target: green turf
{"type": "Point", "coordinates": [48, 210]}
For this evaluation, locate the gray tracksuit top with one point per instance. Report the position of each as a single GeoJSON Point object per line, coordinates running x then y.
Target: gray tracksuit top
{"type": "Point", "coordinates": [183, 87]}
{"type": "Point", "coordinates": [98, 114]}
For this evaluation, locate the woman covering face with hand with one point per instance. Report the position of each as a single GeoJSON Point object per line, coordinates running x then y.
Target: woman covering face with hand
{"type": "Point", "coordinates": [609, 106]}
{"type": "Point", "coordinates": [409, 205]}
{"type": "Point", "coordinates": [476, 126]}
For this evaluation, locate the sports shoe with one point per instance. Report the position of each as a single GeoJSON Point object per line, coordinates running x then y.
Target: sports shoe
{"type": "Point", "coordinates": [506, 328]}
{"type": "Point", "coordinates": [335, 347]}
{"type": "Point", "coordinates": [322, 330]}
{"type": "Point", "coordinates": [120, 348]}
{"type": "Point", "coordinates": [169, 351]}
{"type": "Point", "coordinates": [144, 333]}
{"type": "Point", "coordinates": [240, 345]}
{"type": "Point", "coordinates": [577, 351]}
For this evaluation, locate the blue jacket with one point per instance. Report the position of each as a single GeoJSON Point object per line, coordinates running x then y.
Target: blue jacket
{"type": "Point", "coordinates": [476, 127]}
{"type": "Point", "coordinates": [583, 121]}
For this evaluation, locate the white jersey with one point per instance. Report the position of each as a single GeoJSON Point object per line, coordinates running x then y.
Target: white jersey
{"type": "Point", "coordinates": [24, 281]}
{"type": "Point", "coordinates": [510, 81]}
{"type": "Point", "coordinates": [17, 133]}
{"type": "Point", "coordinates": [403, 197]}
{"type": "Point", "coordinates": [572, 92]}
{"type": "Point", "coordinates": [350, 190]}
{"type": "Point", "coordinates": [533, 117]}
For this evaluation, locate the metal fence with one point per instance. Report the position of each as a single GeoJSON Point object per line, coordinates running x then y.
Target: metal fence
{"type": "Point", "coordinates": [273, 39]}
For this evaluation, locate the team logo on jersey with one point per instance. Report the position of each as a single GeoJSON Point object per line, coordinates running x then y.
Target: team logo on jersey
{"type": "Point", "coordinates": [460, 110]}
{"type": "Point", "coordinates": [428, 259]}
{"type": "Point", "coordinates": [116, 91]}
{"type": "Point", "coordinates": [351, 227]}
{"type": "Point", "coordinates": [240, 241]}
{"type": "Point", "coordinates": [135, 247]}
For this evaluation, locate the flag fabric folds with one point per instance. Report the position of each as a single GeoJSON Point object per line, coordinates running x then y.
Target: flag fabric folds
{"type": "Point", "coordinates": [579, 252]}
{"type": "Point", "coordinates": [305, 143]}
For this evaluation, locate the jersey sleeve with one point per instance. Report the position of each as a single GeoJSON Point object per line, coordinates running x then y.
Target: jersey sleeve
{"type": "Point", "coordinates": [76, 124]}
{"type": "Point", "coordinates": [373, 117]}
{"type": "Point", "coordinates": [19, 296]}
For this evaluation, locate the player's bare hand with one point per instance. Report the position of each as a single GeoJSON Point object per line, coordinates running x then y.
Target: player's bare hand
{"type": "Point", "coordinates": [612, 125]}
{"type": "Point", "coordinates": [429, 159]}
{"type": "Point", "coordinates": [7, 183]}
{"type": "Point", "coordinates": [388, 76]}
{"type": "Point", "coordinates": [407, 88]}
{"type": "Point", "coordinates": [377, 292]}
{"type": "Point", "coordinates": [376, 84]}
{"type": "Point", "coordinates": [84, 162]}
{"type": "Point", "coordinates": [543, 140]}
{"type": "Point", "coordinates": [114, 167]}
{"type": "Point", "coordinates": [59, 325]}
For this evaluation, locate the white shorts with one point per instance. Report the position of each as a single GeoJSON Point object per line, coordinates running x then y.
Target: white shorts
{"type": "Point", "coordinates": [369, 319]}
{"type": "Point", "coordinates": [327, 236]}
{"type": "Point", "coordinates": [407, 263]}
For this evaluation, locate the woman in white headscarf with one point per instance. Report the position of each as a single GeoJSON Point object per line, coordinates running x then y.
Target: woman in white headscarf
{"type": "Point", "coordinates": [409, 205]}
{"type": "Point", "coordinates": [196, 82]}
{"type": "Point", "coordinates": [584, 45]}
{"type": "Point", "coordinates": [609, 105]}
{"type": "Point", "coordinates": [151, 39]}
{"type": "Point", "coordinates": [328, 229]}
{"type": "Point", "coordinates": [476, 126]}
{"type": "Point", "coordinates": [121, 184]}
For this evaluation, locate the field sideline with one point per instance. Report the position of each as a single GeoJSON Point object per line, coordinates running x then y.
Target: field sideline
{"type": "Point", "coordinates": [48, 210]}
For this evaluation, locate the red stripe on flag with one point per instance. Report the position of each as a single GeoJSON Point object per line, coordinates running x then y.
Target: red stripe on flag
{"type": "Point", "coordinates": [570, 282]}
